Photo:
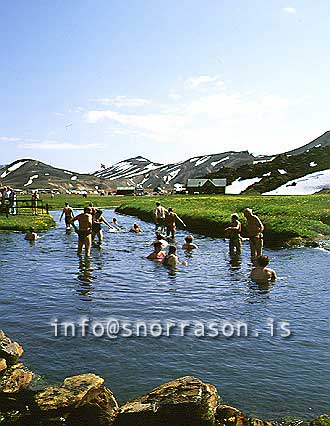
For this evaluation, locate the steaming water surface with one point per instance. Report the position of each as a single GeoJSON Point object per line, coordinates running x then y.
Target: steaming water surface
{"type": "Point", "coordinates": [266, 376]}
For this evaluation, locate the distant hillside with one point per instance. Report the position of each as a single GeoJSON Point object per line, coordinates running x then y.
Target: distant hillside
{"type": "Point", "coordinates": [130, 171]}
{"type": "Point", "coordinates": [244, 171]}
{"type": "Point", "coordinates": [263, 177]}
{"type": "Point", "coordinates": [138, 170]}
{"type": "Point", "coordinates": [32, 174]}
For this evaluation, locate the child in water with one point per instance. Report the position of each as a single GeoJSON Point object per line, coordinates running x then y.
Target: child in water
{"type": "Point", "coordinates": [261, 273]}
{"type": "Point", "coordinates": [189, 245]}
{"type": "Point", "coordinates": [233, 232]}
{"type": "Point", "coordinates": [157, 254]}
{"type": "Point", "coordinates": [31, 235]}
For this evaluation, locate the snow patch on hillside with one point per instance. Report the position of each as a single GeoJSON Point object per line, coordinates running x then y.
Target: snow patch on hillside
{"type": "Point", "coordinates": [282, 172]}
{"type": "Point", "coordinates": [12, 168]}
{"type": "Point", "coordinates": [309, 184]}
{"type": "Point", "coordinates": [214, 163]}
{"type": "Point", "coordinates": [312, 164]}
{"type": "Point", "coordinates": [202, 160]}
{"type": "Point", "coordinates": [31, 180]}
{"type": "Point", "coordinates": [239, 185]}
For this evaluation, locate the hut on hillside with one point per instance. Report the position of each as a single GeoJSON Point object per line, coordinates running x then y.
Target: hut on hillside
{"type": "Point", "coordinates": [206, 186]}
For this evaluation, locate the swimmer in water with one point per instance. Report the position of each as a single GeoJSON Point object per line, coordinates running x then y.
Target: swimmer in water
{"type": "Point", "coordinates": [157, 254]}
{"type": "Point", "coordinates": [161, 238]}
{"type": "Point", "coordinates": [136, 229]}
{"type": "Point", "coordinates": [261, 273]}
{"type": "Point", "coordinates": [114, 224]}
{"type": "Point", "coordinates": [234, 234]}
{"type": "Point", "coordinates": [31, 235]}
{"type": "Point", "coordinates": [189, 245]}
{"type": "Point", "coordinates": [172, 259]}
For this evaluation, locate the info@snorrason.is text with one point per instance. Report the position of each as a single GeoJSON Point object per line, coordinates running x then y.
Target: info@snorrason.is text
{"type": "Point", "coordinates": [114, 328]}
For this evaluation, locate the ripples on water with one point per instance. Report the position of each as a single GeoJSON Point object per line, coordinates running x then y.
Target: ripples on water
{"type": "Point", "coordinates": [265, 376]}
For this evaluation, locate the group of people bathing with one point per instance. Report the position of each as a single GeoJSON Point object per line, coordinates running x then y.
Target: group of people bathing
{"type": "Point", "coordinates": [166, 220]}
{"type": "Point", "coordinates": [91, 220]}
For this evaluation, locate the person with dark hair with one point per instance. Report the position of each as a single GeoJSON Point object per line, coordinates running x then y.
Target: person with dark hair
{"type": "Point", "coordinates": [189, 245]}
{"type": "Point", "coordinates": [31, 235]}
{"type": "Point", "coordinates": [161, 239]}
{"type": "Point", "coordinates": [136, 229]}
{"type": "Point", "coordinates": [261, 273]}
{"type": "Point", "coordinates": [158, 254]}
{"type": "Point", "coordinates": [255, 229]}
{"type": "Point", "coordinates": [68, 215]}
{"type": "Point", "coordinates": [170, 222]}
{"type": "Point", "coordinates": [98, 219]}
{"type": "Point", "coordinates": [233, 232]}
{"type": "Point", "coordinates": [85, 231]}
{"type": "Point", "coordinates": [172, 259]}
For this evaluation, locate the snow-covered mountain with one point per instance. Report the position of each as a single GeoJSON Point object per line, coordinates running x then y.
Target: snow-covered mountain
{"type": "Point", "coordinates": [130, 170]}
{"type": "Point", "coordinates": [244, 172]}
{"type": "Point", "coordinates": [32, 174]}
{"type": "Point", "coordinates": [139, 170]}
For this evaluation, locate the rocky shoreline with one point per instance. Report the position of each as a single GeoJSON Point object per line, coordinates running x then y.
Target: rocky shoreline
{"type": "Point", "coordinates": [85, 400]}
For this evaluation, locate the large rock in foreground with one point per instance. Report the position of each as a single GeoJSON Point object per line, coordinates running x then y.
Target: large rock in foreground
{"type": "Point", "coordinates": [9, 350]}
{"type": "Point", "coordinates": [81, 400]}
{"type": "Point", "coordinates": [184, 401]}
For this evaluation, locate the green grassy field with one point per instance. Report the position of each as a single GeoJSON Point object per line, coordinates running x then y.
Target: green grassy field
{"type": "Point", "coordinates": [289, 219]}
{"type": "Point", "coordinates": [23, 222]}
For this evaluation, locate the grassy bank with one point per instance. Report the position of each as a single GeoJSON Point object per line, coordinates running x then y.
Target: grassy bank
{"type": "Point", "coordinates": [288, 220]}
{"type": "Point", "coordinates": [24, 222]}
{"type": "Point", "coordinates": [79, 202]}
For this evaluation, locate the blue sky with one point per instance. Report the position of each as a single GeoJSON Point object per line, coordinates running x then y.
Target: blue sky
{"type": "Point", "coordinates": [85, 82]}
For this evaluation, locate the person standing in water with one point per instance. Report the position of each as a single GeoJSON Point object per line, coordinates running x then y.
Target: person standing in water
{"type": "Point", "coordinates": [234, 234]}
{"type": "Point", "coordinates": [170, 222]}
{"type": "Point", "coordinates": [84, 232]}
{"type": "Point", "coordinates": [68, 215]}
{"type": "Point", "coordinates": [255, 229]}
{"type": "Point", "coordinates": [159, 213]}
{"type": "Point", "coordinates": [98, 219]}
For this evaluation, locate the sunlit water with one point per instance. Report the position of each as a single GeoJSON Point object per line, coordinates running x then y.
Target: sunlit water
{"type": "Point", "coordinates": [266, 376]}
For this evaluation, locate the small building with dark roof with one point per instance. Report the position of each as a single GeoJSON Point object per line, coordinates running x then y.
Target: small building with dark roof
{"type": "Point", "coordinates": [206, 186]}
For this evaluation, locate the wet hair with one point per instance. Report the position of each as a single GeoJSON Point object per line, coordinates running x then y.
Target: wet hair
{"type": "Point", "coordinates": [234, 216]}
{"type": "Point", "coordinates": [157, 244]}
{"type": "Point", "coordinates": [114, 220]}
{"type": "Point", "coordinates": [135, 225]}
{"type": "Point", "coordinates": [90, 205]}
{"type": "Point", "coordinates": [66, 204]}
{"type": "Point", "coordinates": [159, 236]}
{"type": "Point", "coordinates": [158, 203]}
{"type": "Point", "coordinates": [87, 210]}
{"type": "Point", "coordinates": [262, 260]}
{"type": "Point", "coordinates": [189, 239]}
{"type": "Point", "coordinates": [170, 209]}
{"type": "Point", "coordinates": [99, 212]}
{"type": "Point", "coordinates": [172, 250]}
